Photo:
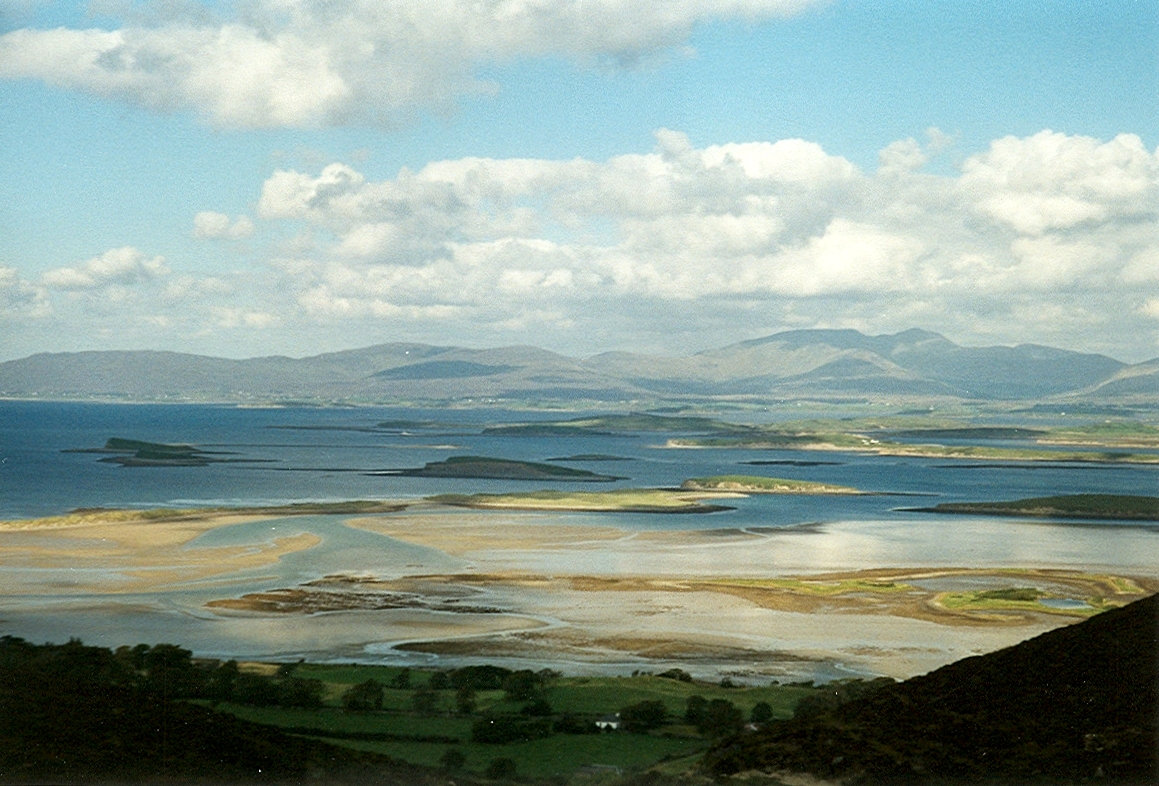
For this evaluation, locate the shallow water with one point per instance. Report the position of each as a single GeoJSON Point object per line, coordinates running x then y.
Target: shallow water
{"type": "Point", "coordinates": [763, 536]}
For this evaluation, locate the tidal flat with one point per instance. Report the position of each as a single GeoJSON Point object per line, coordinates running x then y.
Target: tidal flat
{"type": "Point", "coordinates": [584, 593]}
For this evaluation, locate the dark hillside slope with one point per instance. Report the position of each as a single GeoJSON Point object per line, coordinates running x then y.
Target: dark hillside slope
{"type": "Point", "coordinates": [76, 714]}
{"type": "Point", "coordinates": [1074, 705]}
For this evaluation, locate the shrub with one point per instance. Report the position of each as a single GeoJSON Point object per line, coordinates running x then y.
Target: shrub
{"type": "Point", "coordinates": [644, 715]}
{"type": "Point", "coordinates": [452, 759]}
{"type": "Point", "coordinates": [484, 677]}
{"type": "Point", "coordinates": [762, 712]}
{"type": "Point", "coordinates": [363, 697]}
{"type": "Point", "coordinates": [502, 769]}
{"type": "Point", "coordinates": [721, 717]}
{"type": "Point", "coordinates": [694, 712]}
{"type": "Point", "coordinates": [297, 692]}
{"type": "Point", "coordinates": [521, 686]}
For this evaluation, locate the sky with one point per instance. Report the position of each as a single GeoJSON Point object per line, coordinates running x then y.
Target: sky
{"type": "Point", "coordinates": [293, 177]}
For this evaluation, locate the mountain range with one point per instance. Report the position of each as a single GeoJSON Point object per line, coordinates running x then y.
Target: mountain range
{"type": "Point", "coordinates": [801, 364]}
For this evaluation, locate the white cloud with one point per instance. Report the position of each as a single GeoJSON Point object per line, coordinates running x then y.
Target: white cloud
{"type": "Point", "coordinates": [208, 224]}
{"type": "Point", "coordinates": [323, 62]}
{"type": "Point", "coordinates": [1053, 181]}
{"type": "Point", "coordinates": [233, 317]}
{"type": "Point", "coordinates": [19, 297]}
{"type": "Point", "coordinates": [781, 228]}
{"type": "Point", "coordinates": [119, 266]}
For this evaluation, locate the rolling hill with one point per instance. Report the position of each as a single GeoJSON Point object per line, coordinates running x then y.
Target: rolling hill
{"type": "Point", "coordinates": [800, 364]}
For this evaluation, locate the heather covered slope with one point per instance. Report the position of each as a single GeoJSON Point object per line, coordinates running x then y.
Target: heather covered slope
{"type": "Point", "coordinates": [1074, 705]}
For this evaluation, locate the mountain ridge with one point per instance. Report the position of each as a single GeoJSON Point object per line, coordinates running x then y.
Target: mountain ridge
{"type": "Point", "coordinates": [797, 364]}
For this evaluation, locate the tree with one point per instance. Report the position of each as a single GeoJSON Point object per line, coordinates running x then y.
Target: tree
{"type": "Point", "coordinates": [401, 680]}
{"type": "Point", "coordinates": [721, 717]}
{"type": "Point", "coordinates": [762, 712]}
{"type": "Point", "coordinates": [363, 697]}
{"type": "Point", "coordinates": [424, 701]}
{"type": "Point", "coordinates": [502, 768]}
{"type": "Point", "coordinates": [644, 716]}
{"type": "Point", "coordinates": [522, 686]}
{"type": "Point", "coordinates": [695, 711]}
{"type": "Point", "coordinates": [452, 759]}
{"type": "Point", "coordinates": [298, 692]}
{"type": "Point", "coordinates": [439, 681]}
{"type": "Point", "coordinates": [465, 700]}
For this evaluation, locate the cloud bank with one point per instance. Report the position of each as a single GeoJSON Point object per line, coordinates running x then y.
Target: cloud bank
{"type": "Point", "coordinates": [1050, 238]}
{"type": "Point", "coordinates": [1043, 237]}
{"type": "Point", "coordinates": [329, 62]}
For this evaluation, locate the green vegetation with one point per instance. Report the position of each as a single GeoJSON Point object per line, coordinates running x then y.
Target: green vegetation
{"type": "Point", "coordinates": [618, 501]}
{"type": "Point", "coordinates": [501, 469]}
{"type": "Point", "coordinates": [753, 484]}
{"type": "Point", "coordinates": [540, 720]}
{"type": "Point", "coordinates": [819, 587]}
{"type": "Point", "coordinates": [1076, 704]}
{"type": "Point", "coordinates": [1087, 506]}
{"type": "Point", "coordinates": [635, 422]}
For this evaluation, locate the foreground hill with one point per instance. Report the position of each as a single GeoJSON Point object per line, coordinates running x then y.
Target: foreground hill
{"type": "Point", "coordinates": [76, 714]}
{"type": "Point", "coordinates": [1075, 705]}
{"type": "Point", "coordinates": [796, 364]}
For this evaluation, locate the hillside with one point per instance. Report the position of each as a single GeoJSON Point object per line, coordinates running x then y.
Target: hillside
{"type": "Point", "coordinates": [794, 365]}
{"type": "Point", "coordinates": [1073, 705]}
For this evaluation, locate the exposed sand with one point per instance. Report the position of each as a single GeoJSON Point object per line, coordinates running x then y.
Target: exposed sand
{"type": "Point", "coordinates": [560, 593]}
{"type": "Point", "coordinates": [109, 553]}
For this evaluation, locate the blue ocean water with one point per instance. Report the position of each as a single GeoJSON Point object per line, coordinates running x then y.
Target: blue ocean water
{"type": "Point", "coordinates": [320, 454]}
{"type": "Point", "coordinates": [308, 454]}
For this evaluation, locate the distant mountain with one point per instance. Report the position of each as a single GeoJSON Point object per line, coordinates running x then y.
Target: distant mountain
{"type": "Point", "coordinates": [793, 365]}
{"type": "Point", "coordinates": [1076, 705]}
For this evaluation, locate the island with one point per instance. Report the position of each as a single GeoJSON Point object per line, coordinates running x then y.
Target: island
{"type": "Point", "coordinates": [498, 469]}
{"type": "Point", "coordinates": [136, 453]}
{"type": "Point", "coordinates": [606, 425]}
{"type": "Point", "coordinates": [618, 501]}
{"type": "Point", "coordinates": [753, 484]}
{"type": "Point", "coordinates": [1111, 507]}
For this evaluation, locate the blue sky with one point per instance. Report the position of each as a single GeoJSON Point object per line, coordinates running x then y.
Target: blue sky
{"type": "Point", "coordinates": [293, 177]}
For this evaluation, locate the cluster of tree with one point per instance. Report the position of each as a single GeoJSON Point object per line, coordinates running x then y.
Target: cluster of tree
{"type": "Point", "coordinates": [519, 686]}
{"type": "Point", "coordinates": [73, 713]}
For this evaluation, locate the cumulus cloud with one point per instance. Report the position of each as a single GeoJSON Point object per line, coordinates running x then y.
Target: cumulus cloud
{"type": "Point", "coordinates": [208, 224]}
{"type": "Point", "coordinates": [118, 266]}
{"type": "Point", "coordinates": [19, 297]}
{"type": "Point", "coordinates": [324, 62]}
{"type": "Point", "coordinates": [782, 228]}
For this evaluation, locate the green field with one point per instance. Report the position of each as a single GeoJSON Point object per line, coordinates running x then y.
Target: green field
{"type": "Point", "coordinates": [398, 730]}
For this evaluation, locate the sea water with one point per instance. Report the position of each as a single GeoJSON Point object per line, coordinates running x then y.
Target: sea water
{"type": "Point", "coordinates": [325, 454]}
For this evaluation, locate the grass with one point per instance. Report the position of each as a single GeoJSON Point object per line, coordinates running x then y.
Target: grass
{"type": "Point", "coordinates": [1013, 599]}
{"type": "Point", "coordinates": [558, 755]}
{"type": "Point", "coordinates": [763, 485]}
{"type": "Point", "coordinates": [619, 500]}
{"type": "Point", "coordinates": [1094, 506]}
{"type": "Point", "coordinates": [823, 588]}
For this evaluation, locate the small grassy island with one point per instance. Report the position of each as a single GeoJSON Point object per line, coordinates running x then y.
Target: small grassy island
{"type": "Point", "coordinates": [619, 501]}
{"type": "Point", "coordinates": [753, 484]}
{"type": "Point", "coordinates": [500, 469]}
{"type": "Point", "coordinates": [635, 422]}
{"type": "Point", "coordinates": [1083, 506]}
